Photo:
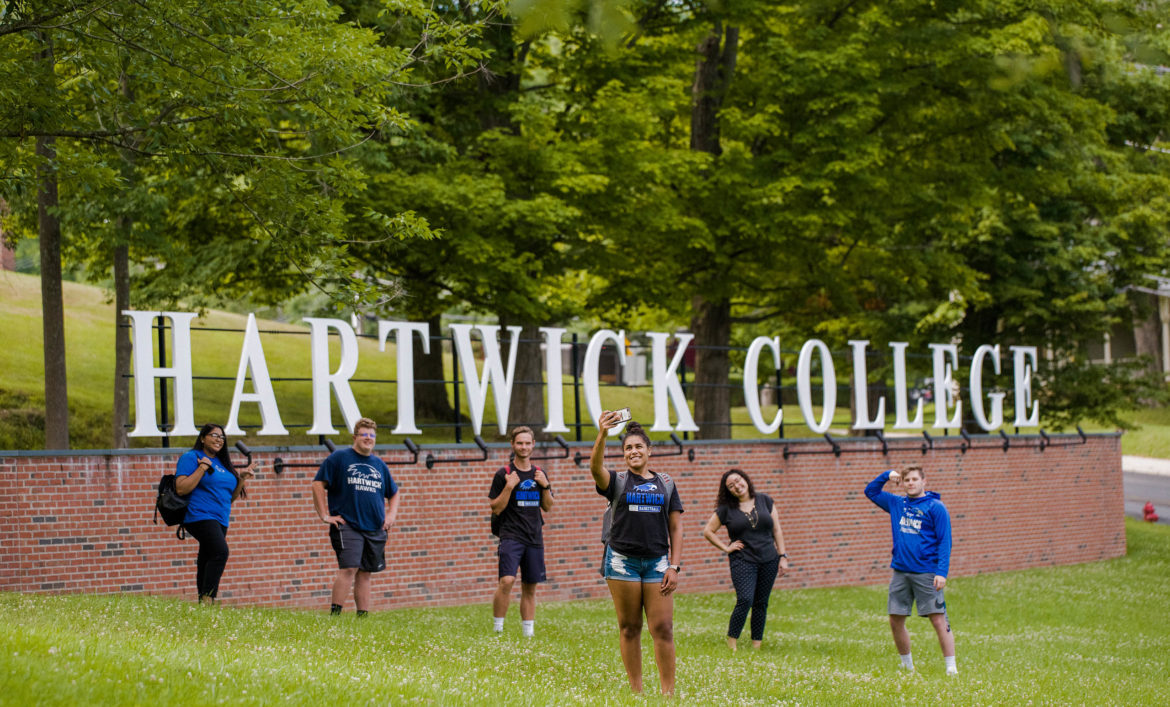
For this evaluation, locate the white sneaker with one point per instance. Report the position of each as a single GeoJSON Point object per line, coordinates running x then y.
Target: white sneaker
{"type": "Point", "coordinates": [952, 671]}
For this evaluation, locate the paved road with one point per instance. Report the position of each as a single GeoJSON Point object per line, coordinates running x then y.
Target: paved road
{"type": "Point", "coordinates": [1143, 488]}
{"type": "Point", "coordinates": [1146, 480]}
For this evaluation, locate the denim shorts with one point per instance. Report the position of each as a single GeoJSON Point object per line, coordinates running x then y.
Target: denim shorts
{"type": "Point", "coordinates": [634, 569]}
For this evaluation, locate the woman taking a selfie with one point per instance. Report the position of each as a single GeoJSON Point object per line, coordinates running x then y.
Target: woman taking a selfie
{"type": "Point", "coordinates": [207, 474]}
{"type": "Point", "coordinates": [643, 554]}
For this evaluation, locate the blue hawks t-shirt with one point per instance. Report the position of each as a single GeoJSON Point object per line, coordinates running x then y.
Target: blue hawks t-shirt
{"type": "Point", "coordinates": [357, 487]}
{"type": "Point", "coordinates": [212, 497]}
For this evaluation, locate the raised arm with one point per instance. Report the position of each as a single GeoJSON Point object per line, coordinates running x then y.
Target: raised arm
{"type": "Point", "coordinates": [873, 490]}
{"type": "Point", "coordinates": [605, 423]}
{"type": "Point", "coordinates": [546, 496]}
{"type": "Point", "coordinates": [500, 500]}
{"type": "Point", "coordinates": [186, 483]}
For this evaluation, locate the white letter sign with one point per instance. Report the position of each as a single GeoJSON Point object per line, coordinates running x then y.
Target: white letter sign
{"type": "Point", "coordinates": [252, 362]}
{"type": "Point", "coordinates": [977, 389]}
{"type": "Point", "coordinates": [751, 389]}
{"type": "Point", "coordinates": [944, 376]}
{"type": "Point", "coordinates": [828, 385]}
{"type": "Point", "coordinates": [493, 370]}
{"type": "Point", "coordinates": [403, 338]}
{"type": "Point", "coordinates": [861, 392]}
{"type": "Point", "coordinates": [590, 374]}
{"type": "Point", "coordinates": [1022, 370]}
{"type": "Point", "coordinates": [552, 370]}
{"type": "Point", "coordinates": [338, 381]}
{"type": "Point", "coordinates": [666, 385]}
{"type": "Point", "coordinates": [145, 372]}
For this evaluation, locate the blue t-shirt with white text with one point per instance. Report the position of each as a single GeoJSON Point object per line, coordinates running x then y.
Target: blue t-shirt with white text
{"type": "Point", "coordinates": [357, 486]}
{"type": "Point", "coordinates": [212, 497]}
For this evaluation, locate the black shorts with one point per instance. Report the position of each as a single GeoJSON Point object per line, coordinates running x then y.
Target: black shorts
{"type": "Point", "coordinates": [528, 559]}
{"type": "Point", "coordinates": [358, 548]}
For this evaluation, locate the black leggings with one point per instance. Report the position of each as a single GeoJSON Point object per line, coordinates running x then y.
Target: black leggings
{"type": "Point", "coordinates": [753, 587]}
{"type": "Point", "coordinates": [213, 555]}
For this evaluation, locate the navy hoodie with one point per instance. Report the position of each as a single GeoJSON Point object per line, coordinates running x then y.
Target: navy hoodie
{"type": "Point", "coordinates": [921, 529]}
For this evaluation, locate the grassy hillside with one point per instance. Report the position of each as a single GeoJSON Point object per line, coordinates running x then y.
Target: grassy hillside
{"type": "Point", "coordinates": [89, 336]}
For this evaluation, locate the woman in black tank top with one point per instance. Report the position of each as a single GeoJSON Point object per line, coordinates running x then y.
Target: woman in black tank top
{"type": "Point", "coordinates": [755, 552]}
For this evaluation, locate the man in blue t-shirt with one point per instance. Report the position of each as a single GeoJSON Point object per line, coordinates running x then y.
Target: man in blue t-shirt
{"type": "Point", "coordinates": [921, 558]}
{"type": "Point", "coordinates": [349, 493]}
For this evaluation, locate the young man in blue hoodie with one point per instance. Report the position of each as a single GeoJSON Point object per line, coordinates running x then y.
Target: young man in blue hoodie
{"type": "Point", "coordinates": [921, 558]}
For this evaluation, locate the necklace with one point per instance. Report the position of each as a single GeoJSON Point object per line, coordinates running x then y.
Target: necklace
{"type": "Point", "coordinates": [752, 516]}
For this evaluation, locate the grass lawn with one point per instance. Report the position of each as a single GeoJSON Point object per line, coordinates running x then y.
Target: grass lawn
{"type": "Point", "coordinates": [1088, 634]}
{"type": "Point", "coordinates": [215, 355]}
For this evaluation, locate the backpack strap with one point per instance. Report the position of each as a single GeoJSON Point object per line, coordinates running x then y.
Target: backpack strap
{"type": "Point", "coordinates": [668, 491]}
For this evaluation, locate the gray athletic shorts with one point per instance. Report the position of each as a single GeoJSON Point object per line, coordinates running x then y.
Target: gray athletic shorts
{"type": "Point", "coordinates": [359, 548]}
{"type": "Point", "coordinates": [909, 587]}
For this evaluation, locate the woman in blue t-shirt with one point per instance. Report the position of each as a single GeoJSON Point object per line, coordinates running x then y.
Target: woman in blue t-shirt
{"type": "Point", "coordinates": [207, 475]}
{"type": "Point", "coordinates": [756, 552]}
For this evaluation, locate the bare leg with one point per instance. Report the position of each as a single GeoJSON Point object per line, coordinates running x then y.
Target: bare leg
{"type": "Point", "coordinates": [756, 644]}
{"type": "Point", "coordinates": [946, 639]}
{"type": "Point", "coordinates": [342, 584]}
{"type": "Point", "coordinates": [660, 618]}
{"type": "Point", "coordinates": [627, 601]}
{"type": "Point", "coordinates": [527, 601]}
{"type": "Point", "coordinates": [731, 643]}
{"type": "Point", "coordinates": [502, 597]}
{"type": "Point", "coordinates": [901, 635]}
{"type": "Point", "coordinates": [361, 591]}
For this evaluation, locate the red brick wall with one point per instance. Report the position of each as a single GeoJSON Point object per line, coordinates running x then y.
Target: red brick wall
{"type": "Point", "coordinates": [83, 523]}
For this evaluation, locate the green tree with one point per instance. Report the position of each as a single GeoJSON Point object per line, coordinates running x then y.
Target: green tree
{"type": "Point", "coordinates": [211, 142]}
{"type": "Point", "coordinates": [850, 165]}
{"type": "Point", "coordinates": [484, 165]}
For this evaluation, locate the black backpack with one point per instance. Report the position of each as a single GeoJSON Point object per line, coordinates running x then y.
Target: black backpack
{"type": "Point", "coordinates": [170, 505]}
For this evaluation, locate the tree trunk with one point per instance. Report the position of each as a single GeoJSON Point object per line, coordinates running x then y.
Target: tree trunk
{"type": "Point", "coordinates": [527, 404]}
{"type": "Point", "coordinates": [430, 388]}
{"type": "Point", "coordinates": [711, 325]}
{"type": "Point", "coordinates": [713, 72]}
{"type": "Point", "coordinates": [1146, 338]}
{"type": "Point", "coordinates": [711, 317]}
{"type": "Point", "coordinates": [52, 304]}
{"type": "Point", "coordinates": [121, 347]}
{"type": "Point", "coordinates": [7, 254]}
